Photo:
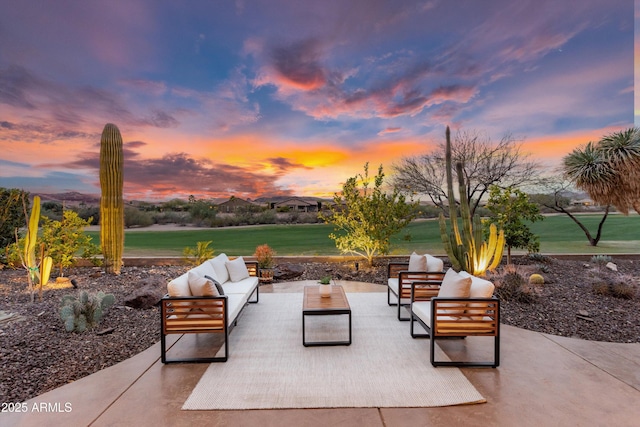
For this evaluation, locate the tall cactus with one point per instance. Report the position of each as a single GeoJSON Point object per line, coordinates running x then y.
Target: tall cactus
{"type": "Point", "coordinates": [467, 250]}
{"type": "Point", "coordinates": [111, 201]}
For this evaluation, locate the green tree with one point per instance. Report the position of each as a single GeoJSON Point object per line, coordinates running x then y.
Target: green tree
{"type": "Point", "coordinates": [11, 214]}
{"type": "Point", "coordinates": [66, 239]}
{"type": "Point", "coordinates": [364, 219]}
{"type": "Point", "coordinates": [510, 208]}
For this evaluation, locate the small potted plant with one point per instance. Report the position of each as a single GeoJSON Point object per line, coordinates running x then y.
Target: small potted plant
{"type": "Point", "coordinates": [325, 287]}
{"type": "Point", "coordinates": [264, 255]}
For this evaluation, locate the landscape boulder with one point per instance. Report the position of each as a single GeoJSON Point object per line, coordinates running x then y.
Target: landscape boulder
{"type": "Point", "coordinates": [288, 271]}
{"type": "Point", "coordinates": [147, 293]}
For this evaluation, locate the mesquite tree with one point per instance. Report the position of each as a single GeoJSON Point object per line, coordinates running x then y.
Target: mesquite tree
{"type": "Point", "coordinates": [365, 218]}
{"type": "Point", "coordinates": [111, 200]}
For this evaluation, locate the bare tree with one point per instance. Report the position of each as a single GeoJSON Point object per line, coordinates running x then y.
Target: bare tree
{"type": "Point", "coordinates": [556, 186]}
{"type": "Point", "coordinates": [484, 164]}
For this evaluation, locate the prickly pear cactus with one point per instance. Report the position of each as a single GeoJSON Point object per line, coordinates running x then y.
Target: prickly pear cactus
{"type": "Point", "coordinates": [111, 200]}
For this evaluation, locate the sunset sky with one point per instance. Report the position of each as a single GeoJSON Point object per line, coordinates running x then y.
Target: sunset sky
{"type": "Point", "coordinates": [273, 97]}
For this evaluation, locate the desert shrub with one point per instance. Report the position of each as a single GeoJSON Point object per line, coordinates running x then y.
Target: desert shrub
{"type": "Point", "coordinates": [600, 260]}
{"type": "Point", "coordinates": [538, 257]}
{"type": "Point", "coordinates": [137, 218]}
{"type": "Point", "coordinates": [619, 286]}
{"type": "Point", "coordinates": [171, 217]}
{"type": "Point", "coordinates": [512, 286]}
{"type": "Point", "coordinates": [543, 268]}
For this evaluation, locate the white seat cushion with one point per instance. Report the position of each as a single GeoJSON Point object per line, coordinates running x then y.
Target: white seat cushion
{"type": "Point", "coordinates": [244, 286]}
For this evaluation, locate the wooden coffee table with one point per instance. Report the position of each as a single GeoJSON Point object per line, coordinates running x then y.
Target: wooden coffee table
{"type": "Point", "coordinates": [315, 305]}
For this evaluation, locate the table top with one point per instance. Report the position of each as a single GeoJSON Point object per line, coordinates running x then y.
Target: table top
{"type": "Point", "coordinates": [314, 302]}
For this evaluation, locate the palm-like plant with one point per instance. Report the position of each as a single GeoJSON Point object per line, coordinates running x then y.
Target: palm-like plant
{"type": "Point", "coordinates": [609, 170]}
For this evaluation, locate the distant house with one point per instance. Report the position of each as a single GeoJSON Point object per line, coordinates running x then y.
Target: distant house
{"type": "Point", "coordinates": [296, 204]}
{"type": "Point", "coordinates": [234, 204]}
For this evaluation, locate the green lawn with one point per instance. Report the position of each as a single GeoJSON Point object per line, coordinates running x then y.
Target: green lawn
{"type": "Point", "coordinates": [558, 234]}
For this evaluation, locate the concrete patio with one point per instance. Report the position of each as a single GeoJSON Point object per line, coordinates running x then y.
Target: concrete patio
{"type": "Point", "coordinates": [542, 380]}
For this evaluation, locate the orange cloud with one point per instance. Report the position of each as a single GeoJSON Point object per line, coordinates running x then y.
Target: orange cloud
{"type": "Point", "coordinates": [553, 148]}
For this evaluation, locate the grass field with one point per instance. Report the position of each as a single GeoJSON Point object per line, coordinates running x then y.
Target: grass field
{"type": "Point", "coordinates": [558, 234]}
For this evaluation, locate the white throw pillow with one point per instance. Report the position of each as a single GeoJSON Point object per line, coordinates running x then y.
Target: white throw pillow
{"type": "Point", "coordinates": [417, 262]}
{"type": "Point", "coordinates": [480, 288]}
{"type": "Point", "coordinates": [219, 265]}
{"type": "Point", "coordinates": [433, 263]}
{"type": "Point", "coordinates": [237, 269]}
{"type": "Point", "coordinates": [201, 287]}
{"type": "Point", "coordinates": [454, 285]}
{"type": "Point", "coordinates": [179, 288]}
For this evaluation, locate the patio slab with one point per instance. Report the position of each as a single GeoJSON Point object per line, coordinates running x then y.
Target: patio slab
{"type": "Point", "coordinates": [542, 380]}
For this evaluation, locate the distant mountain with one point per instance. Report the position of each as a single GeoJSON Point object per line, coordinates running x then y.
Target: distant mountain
{"type": "Point", "coordinates": [72, 197]}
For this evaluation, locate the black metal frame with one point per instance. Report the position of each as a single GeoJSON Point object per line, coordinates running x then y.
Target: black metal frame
{"type": "Point", "coordinates": [322, 313]}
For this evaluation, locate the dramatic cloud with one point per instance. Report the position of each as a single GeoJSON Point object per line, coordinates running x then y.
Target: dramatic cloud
{"type": "Point", "coordinates": [298, 65]}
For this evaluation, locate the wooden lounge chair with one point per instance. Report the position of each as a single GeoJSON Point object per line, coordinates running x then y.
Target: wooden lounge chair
{"type": "Point", "coordinates": [451, 316]}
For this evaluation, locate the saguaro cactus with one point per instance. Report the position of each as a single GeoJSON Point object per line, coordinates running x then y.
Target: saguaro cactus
{"type": "Point", "coordinates": [111, 201]}
{"type": "Point", "coordinates": [467, 250]}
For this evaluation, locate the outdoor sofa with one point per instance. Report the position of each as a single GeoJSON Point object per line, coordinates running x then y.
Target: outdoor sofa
{"type": "Point", "coordinates": [208, 299]}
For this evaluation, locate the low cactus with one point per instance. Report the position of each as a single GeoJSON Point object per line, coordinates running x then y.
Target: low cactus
{"type": "Point", "coordinates": [84, 312]}
{"type": "Point", "coordinates": [536, 279]}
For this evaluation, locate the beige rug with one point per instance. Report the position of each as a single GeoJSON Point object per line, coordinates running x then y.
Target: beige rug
{"type": "Point", "coordinates": [269, 368]}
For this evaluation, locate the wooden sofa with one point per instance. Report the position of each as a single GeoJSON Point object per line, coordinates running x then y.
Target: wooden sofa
{"type": "Point", "coordinates": [425, 269]}
{"type": "Point", "coordinates": [467, 308]}
{"type": "Point", "coordinates": [208, 299]}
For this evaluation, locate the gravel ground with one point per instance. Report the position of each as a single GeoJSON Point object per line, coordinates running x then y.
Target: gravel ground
{"type": "Point", "coordinates": [38, 355]}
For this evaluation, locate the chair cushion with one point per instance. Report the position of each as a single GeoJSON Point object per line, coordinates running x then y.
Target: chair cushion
{"type": "Point", "coordinates": [179, 287]}
{"type": "Point", "coordinates": [454, 286]}
{"type": "Point", "coordinates": [201, 286]}
{"type": "Point", "coordinates": [205, 269]}
{"type": "Point", "coordinates": [417, 262]}
{"type": "Point", "coordinates": [237, 269]}
{"type": "Point", "coordinates": [222, 274]}
{"type": "Point", "coordinates": [245, 286]}
{"type": "Point", "coordinates": [480, 288]}
{"type": "Point", "coordinates": [433, 263]}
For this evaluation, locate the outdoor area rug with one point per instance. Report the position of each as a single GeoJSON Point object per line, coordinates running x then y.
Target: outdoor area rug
{"type": "Point", "coordinates": [269, 368]}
